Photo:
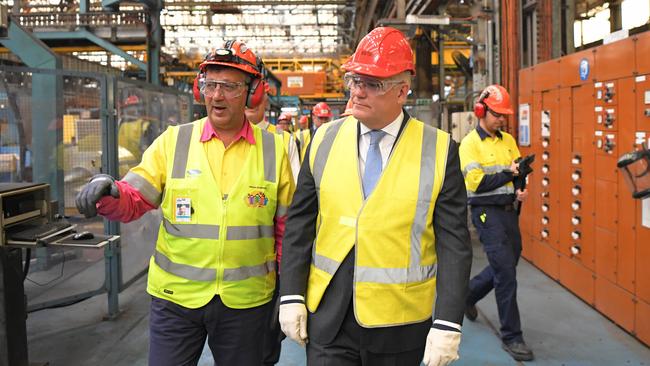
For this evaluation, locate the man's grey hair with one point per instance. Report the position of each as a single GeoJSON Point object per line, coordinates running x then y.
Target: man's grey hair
{"type": "Point", "coordinates": [404, 77]}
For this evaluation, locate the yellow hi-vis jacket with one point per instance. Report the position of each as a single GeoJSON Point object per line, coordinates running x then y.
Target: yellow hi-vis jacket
{"type": "Point", "coordinates": [485, 155]}
{"type": "Point", "coordinates": [226, 245]}
{"type": "Point", "coordinates": [391, 230]}
{"type": "Point", "coordinates": [304, 137]}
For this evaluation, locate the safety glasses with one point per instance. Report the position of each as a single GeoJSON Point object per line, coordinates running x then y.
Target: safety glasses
{"type": "Point", "coordinates": [495, 114]}
{"type": "Point", "coordinates": [228, 89]}
{"type": "Point", "coordinates": [372, 86]}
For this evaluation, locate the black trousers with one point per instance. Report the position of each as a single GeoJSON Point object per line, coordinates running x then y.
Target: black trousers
{"type": "Point", "coordinates": [498, 231]}
{"type": "Point", "coordinates": [347, 349]}
{"type": "Point", "coordinates": [177, 334]}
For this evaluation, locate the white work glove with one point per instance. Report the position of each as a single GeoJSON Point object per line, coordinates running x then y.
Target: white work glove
{"type": "Point", "coordinates": [441, 348]}
{"type": "Point", "coordinates": [293, 322]}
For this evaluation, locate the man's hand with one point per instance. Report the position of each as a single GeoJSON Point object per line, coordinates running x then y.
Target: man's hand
{"type": "Point", "coordinates": [293, 322]}
{"type": "Point", "coordinates": [514, 168]}
{"type": "Point", "coordinates": [99, 186]}
{"type": "Point", "coordinates": [522, 195]}
{"type": "Point", "coordinates": [441, 348]}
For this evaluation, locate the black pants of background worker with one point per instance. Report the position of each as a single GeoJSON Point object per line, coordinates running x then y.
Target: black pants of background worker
{"type": "Point", "coordinates": [177, 334]}
{"type": "Point", "coordinates": [273, 335]}
{"type": "Point", "coordinates": [336, 339]}
{"type": "Point", "coordinates": [498, 230]}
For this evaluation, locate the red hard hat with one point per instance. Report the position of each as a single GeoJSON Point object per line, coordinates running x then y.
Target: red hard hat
{"type": "Point", "coordinates": [131, 100]}
{"type": "Point", "coordinates": [382, 53]}
{"type": "Point", "coordinates": [322, 110]}
{"type": "Point", "coordinates": [497, 99]}
{"type": "Point", "coordinates": [284, 116]}
{"type": "Point", "coordinates": [234, 54]}
{"type": "Point", "coordinates": [303, 120]}
{"type": "Point", "coordinates": [348, 108]}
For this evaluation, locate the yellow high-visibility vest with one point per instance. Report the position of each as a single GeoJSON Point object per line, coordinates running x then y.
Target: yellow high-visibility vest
{"type": "Point", "coordinates": [304, 137]}
{"type": "Point", "coordinates": [391, 231]}
{"type": "Point", "coordinates": [210, 243]}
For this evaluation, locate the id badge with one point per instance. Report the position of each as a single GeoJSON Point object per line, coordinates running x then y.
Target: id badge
{"type": "Point", "coordinates": [183, 211]}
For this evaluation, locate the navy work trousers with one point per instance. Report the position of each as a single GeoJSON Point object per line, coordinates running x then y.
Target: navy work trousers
{"type": "Point", "coordinates": [498, 231]}
{"type": "Point", "coordinates": [177, 334]}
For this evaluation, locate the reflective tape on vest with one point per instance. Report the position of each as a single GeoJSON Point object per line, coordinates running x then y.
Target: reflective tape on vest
{"type": "Point", "coordinates": [242, 273]}
{"type": "Point", "coordinates": [249, 232]}
{"type": "Point", "coordinates": [184, 270]}
{"type": "Point", "coordinates": [198, 231]}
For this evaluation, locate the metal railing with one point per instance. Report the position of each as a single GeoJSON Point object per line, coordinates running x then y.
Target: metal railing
{"type": "Point", "coordinates": [72, 21]}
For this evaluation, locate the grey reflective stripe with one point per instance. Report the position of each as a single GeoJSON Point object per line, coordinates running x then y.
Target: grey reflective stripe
{"type": "Point", "coordinates": [192, 230]}
{"type": "Point", "coordinates": [242, 273]}
{"type": "Point", "coordinates": [325, 264]}
{"type": "Point", "coordinates": [395, 275]}
{"type": "Point", "coordinates": [249, 232]}
{"type": "Point", "coordinates": [281, 210]}
{"type": "Point", "coordinates": [148, 191]}
{"type": "Point", "coordinates": [471, 166]}
{"type": "Point", "coordinates": [492, 169]}
{"type": "Point", "coordinates": [182, 150]}
{"type": "Point", "coordinates": [507, 189]}
{"type": "Point", "coordinates": [425, 190]}
{"type": "Point", "coordinates": [268, 148]}
{"type": "Point", "coordinates": [324, 151]}
{"type": "Point", "coordinates": [301, 137]}
{"type": "Point", "coordinates": [184, 270]}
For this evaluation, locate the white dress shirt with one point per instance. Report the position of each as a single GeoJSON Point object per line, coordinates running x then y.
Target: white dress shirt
{"type": "Point", "coordinates": [385, 144]}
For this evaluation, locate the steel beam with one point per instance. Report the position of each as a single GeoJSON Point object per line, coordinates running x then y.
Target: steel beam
{"type": "Point", "coordinates": [85, 34]}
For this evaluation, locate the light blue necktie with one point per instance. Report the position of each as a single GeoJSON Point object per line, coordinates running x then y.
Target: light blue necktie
{"type": "Point", "coordinates": [373, 162]}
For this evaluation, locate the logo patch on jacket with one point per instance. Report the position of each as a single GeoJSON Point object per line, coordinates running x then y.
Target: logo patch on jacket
{"type": "Point", "coordinates": [193, 172]}
{"type": "Point", "coordinates": [256, 199]}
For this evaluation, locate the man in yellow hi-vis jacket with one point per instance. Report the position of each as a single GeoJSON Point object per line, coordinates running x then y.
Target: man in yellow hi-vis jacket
{"type": "Point", "coordinates": [377, 227]}
{"type": "Point", "coordinates": [223, 186]}
{"type": "Point", "coordinates": [487, 157]}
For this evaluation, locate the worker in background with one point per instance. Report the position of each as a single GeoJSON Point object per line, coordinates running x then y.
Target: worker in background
{"type": "Point", "coordinates": [321, 114]}
{"type": "Point", "coordinates": [303, 135]}
{"type": "Point", "coordinates": [378, 227]}
{"type": "Point", "coordinates": [487, 158]}
{"type": "Point", "coordinates": [135, 130]}
{"type": "Point", "coordinates": [273, 336]}
{"type": "Point", "coordinates": [213, 271]}
{"type": "Point", "coordinates": [348, 108]}
{"type": "Point", "coordinates": [285, 123]}
{"type": "Point", "coordinates": [256, 115]}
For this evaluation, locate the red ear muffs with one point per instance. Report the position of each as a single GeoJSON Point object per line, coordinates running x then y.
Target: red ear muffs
{"type": "Point", "coordinates": [196, 90]}
{"type": "Point", "coordinates": [256, 91]}
{"type": "Point", "coordinates": [480, 109]}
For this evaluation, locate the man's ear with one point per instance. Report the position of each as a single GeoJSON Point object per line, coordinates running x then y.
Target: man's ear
{"type": "Point", "coordinates": [403, 93]}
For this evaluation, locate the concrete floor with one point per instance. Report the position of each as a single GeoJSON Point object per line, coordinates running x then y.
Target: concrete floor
{"type": "Point", "coordinates": [561, 329]}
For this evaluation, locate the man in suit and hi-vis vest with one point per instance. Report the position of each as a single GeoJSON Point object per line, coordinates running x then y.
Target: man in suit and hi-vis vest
{"type": "Point", "coordinates": [223, 186]}
{"type": "Point", "coordinates": [378, 227]}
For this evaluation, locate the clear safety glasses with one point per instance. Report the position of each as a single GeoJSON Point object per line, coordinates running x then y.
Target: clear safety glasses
{"type": "Point", "coordinates": [372, 86]}
{"type": "Point", "coordinates": [228, 89]}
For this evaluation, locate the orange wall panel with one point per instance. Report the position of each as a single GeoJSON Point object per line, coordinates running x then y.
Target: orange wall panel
{"type": "Point", "coordinates": [546, 75]}
{"type": "Point", "coordinates": [642, 259]}
{"type": "Point", "coordinates": [606, 205]}
{"type": "Point", "coordinates": [641, 53]}
{"type": "Point", "coordinates": [642, 325]}
{"type": "Point", "coordinates": [525, 84]}
{"type": "Point", "coordinates": [606, 254]}
{"type": "Point", "coordinates": [615, 302]}
{"type": "Point", "coordinates": [577, 278]}
{"type": "Point", "coordinates": [547, 259]}
{"type": "Point", "coordinates": [614, 60]}
{"type": "Point", "coordinates": [570, 68]}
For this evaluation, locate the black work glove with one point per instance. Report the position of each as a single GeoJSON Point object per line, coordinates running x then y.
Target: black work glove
{"type": "Point", "coordinates": [99, 186]}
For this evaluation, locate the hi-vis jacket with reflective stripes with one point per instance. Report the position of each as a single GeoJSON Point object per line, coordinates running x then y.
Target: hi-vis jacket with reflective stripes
{"type": "Point", "coordinates": [226, 246]}
{"type": "Point", "coordinates": [304, 137]}
{"type": "Point", "coordinates": [489, 156]}
{"type": "Point", "coordinates": [391, 230]}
